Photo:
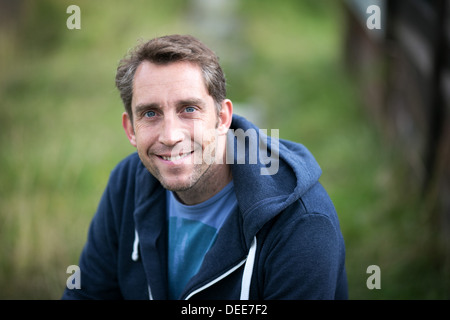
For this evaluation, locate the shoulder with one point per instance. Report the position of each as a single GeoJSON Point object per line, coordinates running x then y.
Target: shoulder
{"type": "Point", "coordinates": [312, 204]}
{"type": "Point", "coordinates": [130, 176]}
{"type": "Point", "coordinates": [316, 201]}
{"type": "Point", "coordinates": [309, 219]}
{"type": "Point", "coordinates": [127, 165]}
{"type": "Point", "coordinates": [125, 171]}
{"type": "Point", "coordinates": [120, 189]}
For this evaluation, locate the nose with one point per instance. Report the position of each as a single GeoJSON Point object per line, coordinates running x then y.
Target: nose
{"type": "Point", "coordinates": [171, 131]}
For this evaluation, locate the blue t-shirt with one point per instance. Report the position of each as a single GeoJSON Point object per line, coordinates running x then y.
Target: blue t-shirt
{"type": "Point", "coordinates": [192, 231]}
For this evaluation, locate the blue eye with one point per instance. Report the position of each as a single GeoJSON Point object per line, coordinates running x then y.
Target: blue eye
{"type": "Point", "coordinates": [189, 109]}
{"type": "Point", "coordinates": [150, 114]}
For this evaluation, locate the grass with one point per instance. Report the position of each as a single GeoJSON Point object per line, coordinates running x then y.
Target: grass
{"type": "Point", "coordinates": [61, 135]}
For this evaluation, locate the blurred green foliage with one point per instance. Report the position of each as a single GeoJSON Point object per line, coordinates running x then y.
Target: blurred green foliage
{"type": "Point", "coordinates": [61, 135]}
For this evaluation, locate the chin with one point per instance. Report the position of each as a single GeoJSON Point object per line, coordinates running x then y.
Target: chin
{"type": "Point", "coordinates": [176, 186]}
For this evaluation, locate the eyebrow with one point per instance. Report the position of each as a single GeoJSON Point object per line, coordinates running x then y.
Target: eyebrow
{"type": "Point", "coordinates": [145, 106]}
{"type": "Point", "coordinates": [180, 103]}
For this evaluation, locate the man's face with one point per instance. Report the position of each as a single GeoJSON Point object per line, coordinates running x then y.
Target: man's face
{"type": "Point", "coordinates": [168, 102]}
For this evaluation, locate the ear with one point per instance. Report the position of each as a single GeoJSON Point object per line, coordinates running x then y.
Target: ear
{"type": "Point", "coordinates": [128, 127]}
{"type": "Point", "coordinates": [225, 116]}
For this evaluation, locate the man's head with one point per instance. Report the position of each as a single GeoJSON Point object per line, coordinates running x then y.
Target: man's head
{"type": "Point", "coordinates": [176, 114]}
{"type": "Point", "coordinates": [170, 49]}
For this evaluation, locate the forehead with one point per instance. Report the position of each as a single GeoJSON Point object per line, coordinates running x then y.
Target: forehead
{"type": "Point", "coordinates": [167, 82]}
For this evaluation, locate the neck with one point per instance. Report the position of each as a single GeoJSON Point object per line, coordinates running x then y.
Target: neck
{"type": "Point", "coordinates": [213, 180]}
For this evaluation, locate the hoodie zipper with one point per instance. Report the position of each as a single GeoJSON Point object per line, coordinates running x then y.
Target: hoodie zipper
{"type": "Point", "coordinates": [246, 277]}
{"type": "Point", "coordinates": [209, 284]}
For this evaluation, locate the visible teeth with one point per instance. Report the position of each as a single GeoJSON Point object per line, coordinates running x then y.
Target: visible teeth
{"type": "Point", "coordinates": [175, 158]}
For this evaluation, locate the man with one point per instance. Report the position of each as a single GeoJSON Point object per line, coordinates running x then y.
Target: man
{"type": "Point", "coordinates": [193, 215]}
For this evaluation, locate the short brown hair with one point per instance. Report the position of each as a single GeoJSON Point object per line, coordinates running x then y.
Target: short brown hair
{"type": "Point", "coordinates": [168, 49]}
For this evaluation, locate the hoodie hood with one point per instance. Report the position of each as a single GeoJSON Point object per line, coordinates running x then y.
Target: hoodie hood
{"type": "Point", "coordinates": [281, 173]}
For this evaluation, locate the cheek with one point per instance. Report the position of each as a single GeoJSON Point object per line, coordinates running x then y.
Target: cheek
{"type": "Point", "coordinates": [205, 132]}
{"type": "Point", "coordinates": [144, 137]}
{"type": "Point", "coordinates": [211, 134]}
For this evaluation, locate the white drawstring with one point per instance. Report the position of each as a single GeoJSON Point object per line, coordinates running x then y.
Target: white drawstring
{"type": "Point", "coordinates": [135, 254]}
{"type": "Point", "coordinates": [246, 277]}
{"type": "Point", "coordinates": [248, 271]}
{"type": "Point", "coordinates": [135, 257]}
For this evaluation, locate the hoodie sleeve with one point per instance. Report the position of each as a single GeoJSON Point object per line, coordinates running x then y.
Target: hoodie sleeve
{"type": "Point", "coordinates": [305, 261]}
{"type": "Point", "coordinates": [99, 258]}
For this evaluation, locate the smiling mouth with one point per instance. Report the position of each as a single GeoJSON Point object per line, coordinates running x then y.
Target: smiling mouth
{"type": "Point", "coordinates": [175, 158]}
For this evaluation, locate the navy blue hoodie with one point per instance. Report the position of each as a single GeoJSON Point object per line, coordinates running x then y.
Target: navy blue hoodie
{"type": "Point", "coordinates": [283, 242]}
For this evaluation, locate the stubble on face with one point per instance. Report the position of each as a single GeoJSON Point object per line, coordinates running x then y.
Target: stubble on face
{"type": "Point", "coordinates": [202, 162]}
